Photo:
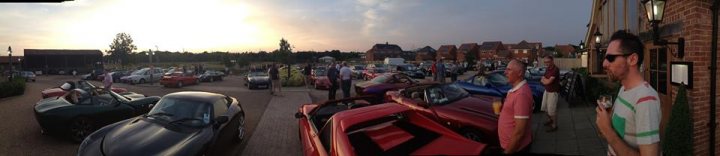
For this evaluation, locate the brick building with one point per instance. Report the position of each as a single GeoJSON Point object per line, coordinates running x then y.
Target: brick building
{"type": "Point", "coordinates": [426, 53]}
{"type": "Point", "coordinates": [447, 52]}
{"type": "Point", "coordinates": [467, 49]}
{"type": "Point", "coordinates": [565, 50]}
{"type": "Point", "coordinates": [524, 50]}
{"type": "Point", "coordinates": [381, 51]}
{"type": "Point", "coordinates": [689, 19]}
{"type": "Point", "coordinates": [489, 50]}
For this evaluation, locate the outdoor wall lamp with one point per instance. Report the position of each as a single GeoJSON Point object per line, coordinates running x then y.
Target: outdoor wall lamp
{"type": "Point", "coordinates": [598, 36]}
{"type": "Point", "coordinates": [582, 45]}
{"type": "Point", "coordinates": [655, 10]}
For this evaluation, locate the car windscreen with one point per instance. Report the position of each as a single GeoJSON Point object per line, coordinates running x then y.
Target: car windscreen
{"type": "Point", "coordinates": [184, 112]}
{"type": "Point", "coordinates": [320, 72]}
{"type": "Point", "coordinates": [444, 94]}
{"type": "Point", "coordinates": [139, 72]}
{"type": "Point", "coordinates": [497, 79]}
{"type": "Point", "coordinates": [381, 79]}
{"type": "Point", "coordinates": [258, 74]}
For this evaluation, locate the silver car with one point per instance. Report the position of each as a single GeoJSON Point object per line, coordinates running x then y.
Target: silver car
{"type": "Point", "coordinates": [143, 75]}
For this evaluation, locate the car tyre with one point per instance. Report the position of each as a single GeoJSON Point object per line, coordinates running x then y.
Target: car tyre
{"type": "Point", "coordinates": [80, 128]}
{"type": "Point", "coordinates": [141, 81]}
{"type": "Point", "coordinates": [240, 132]}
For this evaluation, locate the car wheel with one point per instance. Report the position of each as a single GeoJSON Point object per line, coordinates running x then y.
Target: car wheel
{"type": "Point", "coordinates": [141, 81]}
{"type": "Point", "coordinates": [179, 84]}
{"type": "Point", "coordinates": [80, 128]}
{"type": "Point", "coordinates": [240, 133]}
{"type": "Point", "coordinates": [473, 135]}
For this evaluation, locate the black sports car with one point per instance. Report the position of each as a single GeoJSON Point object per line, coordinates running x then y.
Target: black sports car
{"type": "Point", "coordinates": [211, 76]}
{"type": "Point", "coordinates": [257, 80]}
{"type": "Point", "coordinates": [80, 112]}
{"type": "Point", "coordinates": [182, 123]}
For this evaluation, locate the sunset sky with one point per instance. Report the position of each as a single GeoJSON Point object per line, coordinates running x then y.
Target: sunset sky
{"type": "Point", "coordinates": [252, 25]}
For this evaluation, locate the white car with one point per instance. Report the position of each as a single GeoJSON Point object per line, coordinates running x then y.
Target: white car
{"type": "Point", "coordinates": [143, 76]}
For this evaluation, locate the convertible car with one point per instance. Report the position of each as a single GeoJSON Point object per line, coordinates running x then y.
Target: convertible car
{"type": "Point", "coordinates": [87, 86]}
{"type": "Point", "coordinates": [411, 70]}
{"type": "Point", "coordinates": [81, 112]}
{"type": "Point", "coordinates": [371, 73]}
{"type": "Point", "coordinates": [179, 79]}
{"type": "Point", "coordinates": [353, 127]}
{"type": "Point", "coordinates": [496, 84]}
{"type": "Point", "coordinates": [319, 79]}
{"type": "Point", "coordinates": [380, 85]}
{"type": "Point", "coordinates": [182, 123]}
{"type": "Point", "coordinates": [470, 115]}
{"type": "Point", "coordinates": [211, 76]}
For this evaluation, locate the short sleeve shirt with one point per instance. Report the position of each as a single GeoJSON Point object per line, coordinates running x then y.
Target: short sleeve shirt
{"type": "Point", "coordinates": [636, 116]}
{"type": "Point", "coordinates": [518, 105]}
{"type": "Point", "coordinates": [345, 73]}
{"type": "Point", "coordinates": [554, 86]}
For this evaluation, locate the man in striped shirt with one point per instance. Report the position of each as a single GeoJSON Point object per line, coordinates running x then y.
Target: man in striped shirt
{"type": "Point", "coordinates": [631, 126]}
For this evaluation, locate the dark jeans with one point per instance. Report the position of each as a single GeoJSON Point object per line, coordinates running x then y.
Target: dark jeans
{"type": "Point", "coordinates": [453, 77]}
{"type": "Point", "coordinates": [333, 90]}
{"type": "Point", "coordinates": [346, 88]}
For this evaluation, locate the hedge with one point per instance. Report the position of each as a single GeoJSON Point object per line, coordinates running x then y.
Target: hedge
{"type": "Point", "coordinates": [12, 88]}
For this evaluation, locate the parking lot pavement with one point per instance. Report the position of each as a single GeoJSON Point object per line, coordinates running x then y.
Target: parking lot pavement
{"type": "Point", "coordinates": [277, 132]}
{"type": "Point", "coordinates": [576, 133]}
{"type": "Point", "coordinates": [20, 133]}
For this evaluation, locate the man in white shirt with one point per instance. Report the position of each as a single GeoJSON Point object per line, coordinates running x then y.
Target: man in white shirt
{"type": "Point", "coordinates": [345, 79]}
{"type": "Point", "coordinates": [108, 81]}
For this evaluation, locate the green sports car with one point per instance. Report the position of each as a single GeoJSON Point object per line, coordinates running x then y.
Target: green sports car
{"type": "Point", "coordinates": [79, 112]}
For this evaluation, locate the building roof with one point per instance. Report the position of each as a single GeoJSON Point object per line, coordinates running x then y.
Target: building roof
{"type": "Point", "coordinates": [490, 45]}
{"type": "Point", "coordinates": [467, 46]}
{"type": "Point", "coordinates": [565, 49]}
{"type": "Point", "coordinates": [62, 52]}
{"type": "Point", "coordinates": [446, 48]}
{"type": "Point", "coordinates": [386, 46]}
{"type": "Point", "coordinates": [425, 49]}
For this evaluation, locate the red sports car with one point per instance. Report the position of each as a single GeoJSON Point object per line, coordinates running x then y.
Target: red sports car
{"type": "Point", "coordinates": [61, 90]}
{"type": "Point", "coordinates": [383, 83]}
{"type": "Point", "coordinates": [179, 79]}
{"type": "Point", "coordinates": [370, 74]}
{"type": "Point", "coordinates": [351, 127]}
{"type": "Point", "coordinates": [319, 78]}
{"type": "Point", "coordinates": [470, 115]}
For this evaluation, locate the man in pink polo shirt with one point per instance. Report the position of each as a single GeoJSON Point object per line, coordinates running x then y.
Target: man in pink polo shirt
{"type": "Point", "coordinates": [514, 121]}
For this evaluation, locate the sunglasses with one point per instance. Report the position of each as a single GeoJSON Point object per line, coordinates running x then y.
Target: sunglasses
{"type": "Point", "coordinates": [611, 58]}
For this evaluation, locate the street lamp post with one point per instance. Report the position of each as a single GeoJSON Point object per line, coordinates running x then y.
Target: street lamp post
{"type": "Point", "coordinates": [598, 37]}
{"type": "Point", "coordinates": [10, 61]}
{"type": "Point", "coordinates": [655, 10]}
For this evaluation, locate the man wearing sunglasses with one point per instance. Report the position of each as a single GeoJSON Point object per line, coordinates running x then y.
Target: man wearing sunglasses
{"type": "Point", "coordinates": [631, 125]}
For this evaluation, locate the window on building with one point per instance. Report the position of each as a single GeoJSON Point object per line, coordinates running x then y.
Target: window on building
{"type": "Point", "coordinates": [658, 69]}
{"type": "Point", "coordinates": [516, 51]}
{"type": "Point", "coordinates": [525, 51]}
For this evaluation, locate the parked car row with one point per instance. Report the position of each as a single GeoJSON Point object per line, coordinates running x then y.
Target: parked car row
{"type": "Point", "coordinates": [111, 123]}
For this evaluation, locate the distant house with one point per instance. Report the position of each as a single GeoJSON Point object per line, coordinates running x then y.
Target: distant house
{"type": "Point", "coordinates": [489, 50]}
{"type": "Point", "coordinates": [381, 51]}
{"type": "Point", "coordinates": [5, 62]}
{"type": "Point", "coordinates": [52, 61]}
{"type": "Point", "coordinates": [565, 50]}
{"type": "Point", "coordinates": [447, 52]}
{"type": "Point", "coordinates": [326, 59]}
{"type": "Point", "coordinates": [524, 50]}
{"type": "Point", "coordinates": [466, 49]}
{"type": "Point", "coordinates": [408, 55]}
{"type": "Point", "coordinates": [426, 53]}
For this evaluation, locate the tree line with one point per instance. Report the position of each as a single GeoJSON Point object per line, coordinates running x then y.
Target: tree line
{"type": "Point", "coordinates": [121, 51]}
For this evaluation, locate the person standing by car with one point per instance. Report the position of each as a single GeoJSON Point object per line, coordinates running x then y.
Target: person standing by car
{"type": "Point", "coordinates": [108, 81]}
{"type": "Point", "coordinates": [514, 130]}
{"type": "Point", "coordinates": [332, 74]}
{"type": "Point", "coordinates": [433, 70]}
{"type": "Point", "coordinates": [307, 72]}
{"type": "Point", "coordinates": [274, 80]}
{"type": "Point", "coordinates": [454, 71]}
{"type": "Point", "coordinates": [552, 85]}
{"type": "Point", "coordinates": [345, 79]}
{"type": "Point", "coordinates": [440, 71]}
{"type": "Point", "coordinates": [631, 125]}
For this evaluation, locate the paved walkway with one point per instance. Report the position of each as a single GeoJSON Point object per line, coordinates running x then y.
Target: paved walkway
{"type": "Point", "coordinates": [576, 134]}
{"type": "Point", "coordinates": [277, 131]}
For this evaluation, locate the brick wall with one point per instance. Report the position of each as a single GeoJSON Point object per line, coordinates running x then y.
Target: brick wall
{"type": "Point", "coordinates": [695, 16]}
